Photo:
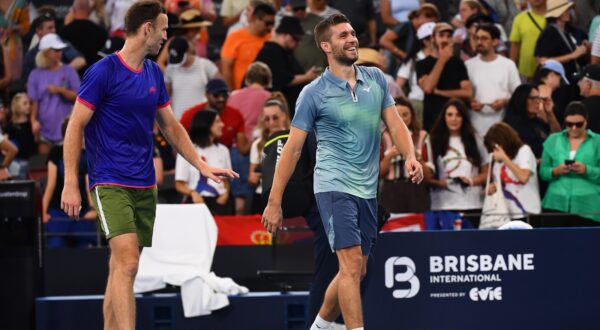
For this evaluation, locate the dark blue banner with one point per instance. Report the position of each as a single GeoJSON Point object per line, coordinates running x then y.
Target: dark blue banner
{"type": "Point", "coordinates": [522, 279]}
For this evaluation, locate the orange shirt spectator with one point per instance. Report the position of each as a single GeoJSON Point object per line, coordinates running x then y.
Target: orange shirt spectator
{"type": "Point", "coordinates": [242, 47]}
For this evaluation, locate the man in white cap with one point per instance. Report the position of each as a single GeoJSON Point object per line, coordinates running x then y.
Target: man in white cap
{"type": "Point", "coordinates": [400, 40]}
{"type": "Point", "coordinates": [494, 78]}
{"type": "Point", "coordinates": [42, 26]}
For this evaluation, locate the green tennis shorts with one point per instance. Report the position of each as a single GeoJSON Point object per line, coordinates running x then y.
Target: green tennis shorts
{"type": "Point", "coordinates": [123, 210]}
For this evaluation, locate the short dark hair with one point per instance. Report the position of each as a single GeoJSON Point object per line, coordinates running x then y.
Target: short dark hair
{"type": "Point", "coordinates": [505, 136]}
{"type": "Point", "coordinates": [517, 105]}
{"type": "Point", "coordinates": [38, 22]}
{"type": "Point", "coordinates": [262, 10]}
{"type": "Point", "coordinates": [413, 14]}
{"type": "Point", "coordinates": [201, 125]}
{"type": "Point", "coordinates": [491, 29]}
{"type": "Point", "coordinates": [141, 12]}
{"type": "Point", "coordinates": [478, 18]}
{"type": "Point", "coordinates": [323, 29]}
{"type": "Point", "coordinates": [576, 108]}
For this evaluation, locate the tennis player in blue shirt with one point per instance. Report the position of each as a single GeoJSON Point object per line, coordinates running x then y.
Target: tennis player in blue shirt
{"type": "Point", "coordinates": [119, 99]}
{"type": "Point", "coordinates": [345, 107]}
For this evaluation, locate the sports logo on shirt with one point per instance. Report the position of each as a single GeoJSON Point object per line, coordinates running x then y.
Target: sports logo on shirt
{"type": "Point", "coordinates": [152, 90]}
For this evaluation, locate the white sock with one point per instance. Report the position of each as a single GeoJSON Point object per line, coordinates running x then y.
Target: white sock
{"type": "Point", "coordinates": [361, 328]}
{"type": "Point", "coordinates": [320, 323]}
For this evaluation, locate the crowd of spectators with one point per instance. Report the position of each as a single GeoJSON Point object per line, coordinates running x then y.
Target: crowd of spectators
{"type": "Point", "coordinates": [511, 87]}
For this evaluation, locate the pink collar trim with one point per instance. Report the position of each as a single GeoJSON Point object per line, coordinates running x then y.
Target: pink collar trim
{"type": "Point", "coordinates": [127, 66]}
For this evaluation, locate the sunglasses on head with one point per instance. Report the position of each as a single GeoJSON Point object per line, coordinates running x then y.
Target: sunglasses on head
{"type": "Point", "coordinates": [578, 124]}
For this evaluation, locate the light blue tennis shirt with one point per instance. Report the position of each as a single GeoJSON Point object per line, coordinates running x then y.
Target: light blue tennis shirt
{"type": "Point", "coordinates": [347, 125]}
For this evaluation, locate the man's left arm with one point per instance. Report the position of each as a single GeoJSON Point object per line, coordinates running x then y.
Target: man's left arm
{"type": "Point", "coordinates": [403, 141]}
{"type": "Point", "coordinates": [179, 139]}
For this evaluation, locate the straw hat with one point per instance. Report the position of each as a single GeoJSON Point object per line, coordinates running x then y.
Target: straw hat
{"type": "Point", "coordinates": [558, 7]}
{"type": "Point", "coordinates": [192, 18]}
{"type": "Point", "coordinates": [370, 56]}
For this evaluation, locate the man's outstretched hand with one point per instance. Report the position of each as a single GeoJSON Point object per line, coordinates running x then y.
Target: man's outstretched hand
{"type": "Point", "coordinates": [217, 174]}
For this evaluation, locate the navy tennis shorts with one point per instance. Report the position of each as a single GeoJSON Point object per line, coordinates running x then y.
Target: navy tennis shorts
{"type": "Point", "coordinates": [348, 220]}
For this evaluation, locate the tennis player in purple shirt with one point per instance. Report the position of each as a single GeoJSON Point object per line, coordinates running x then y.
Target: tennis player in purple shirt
{"type": "Point", "coordinates": [119, 99]}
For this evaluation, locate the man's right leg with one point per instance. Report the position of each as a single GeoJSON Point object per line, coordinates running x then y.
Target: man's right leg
{"type": "Point", "coordinates": [325, 264]}
{"type": "Point", "coordinates": [123, 268]}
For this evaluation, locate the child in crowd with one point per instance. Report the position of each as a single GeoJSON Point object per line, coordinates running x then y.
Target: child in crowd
{"type": "Point", "coordinates": [20, 134]}
{"type": "Point", "coordinates": [57, 222]}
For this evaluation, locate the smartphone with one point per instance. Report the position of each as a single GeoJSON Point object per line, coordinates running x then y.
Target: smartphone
{"type": "Point", "coordinates": [569, 162]}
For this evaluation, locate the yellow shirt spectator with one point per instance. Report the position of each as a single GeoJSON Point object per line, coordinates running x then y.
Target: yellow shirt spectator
{"type": "Point", "coordinates": [526, 32]}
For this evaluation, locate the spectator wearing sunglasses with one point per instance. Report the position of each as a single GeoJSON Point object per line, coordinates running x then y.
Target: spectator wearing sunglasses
{"type": "Point", "coordinates": [278, 55]}
{"type": "Point", "coordinates": [241, 47]}
{"type": "Point", "coordinates": [275, 118]}
{"type": "Point", "coordinates": [526, 114]}
{"type": "Point", "coordinates": [571, 165]}
{"type": "Point", "coordinates": [307, 53]}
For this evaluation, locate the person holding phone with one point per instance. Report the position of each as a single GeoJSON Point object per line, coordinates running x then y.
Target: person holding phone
{"type": "Point", "coordinates": [461, 164]}
{"type": "Point", "coordinates": [571, 165]}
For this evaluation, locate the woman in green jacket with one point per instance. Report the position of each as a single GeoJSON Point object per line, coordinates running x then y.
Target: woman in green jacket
{"type": "Point", "coordinates": [571, 165]}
